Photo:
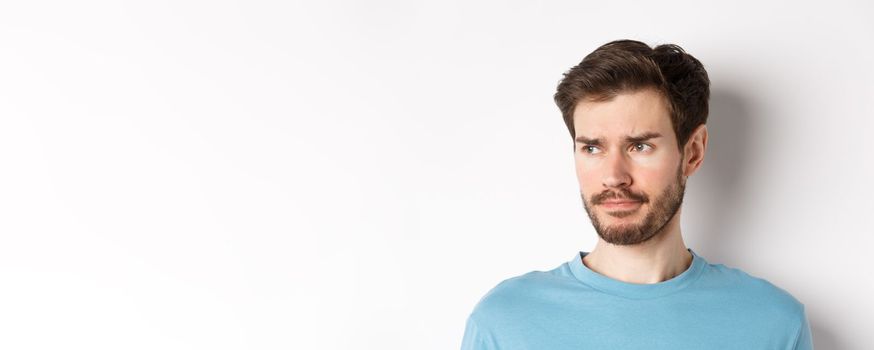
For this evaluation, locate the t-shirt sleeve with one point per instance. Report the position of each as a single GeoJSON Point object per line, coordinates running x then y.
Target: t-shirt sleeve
{"type": "Point", "coordinates": [804, 341]}
{"type": "Point", "coordinates": [476, 338]}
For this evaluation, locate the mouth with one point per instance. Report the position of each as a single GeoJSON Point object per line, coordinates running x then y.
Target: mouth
{"type": "Point", "coordinates": [620, 205]}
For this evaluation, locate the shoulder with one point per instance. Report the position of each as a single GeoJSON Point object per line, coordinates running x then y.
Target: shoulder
{"type": "Point", "coordinates": [519, 294]}
{"type": "Point", "coordinates": [753, 290]}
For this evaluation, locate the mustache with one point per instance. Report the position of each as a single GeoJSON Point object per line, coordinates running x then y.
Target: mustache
{"type": "Point", "coordinates": [622, 194]}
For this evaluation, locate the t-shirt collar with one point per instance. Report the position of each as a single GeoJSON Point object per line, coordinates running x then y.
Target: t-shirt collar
{"type": "Point", "coordinates": [635, 290]}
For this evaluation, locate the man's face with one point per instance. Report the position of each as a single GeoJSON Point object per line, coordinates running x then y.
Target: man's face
{"type": "Point", "coordinates": [628, 165]}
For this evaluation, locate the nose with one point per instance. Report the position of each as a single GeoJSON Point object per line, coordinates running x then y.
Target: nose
{"type": "Point", "coordinates": [616, 174]}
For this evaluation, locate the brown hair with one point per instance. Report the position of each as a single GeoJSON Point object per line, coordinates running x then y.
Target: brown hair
{"type": "Point", "coordinates": [627, 66]}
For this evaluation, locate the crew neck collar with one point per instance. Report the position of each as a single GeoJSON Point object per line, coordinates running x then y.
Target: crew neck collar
{"type": "Point", "coordinates": [636, 290]}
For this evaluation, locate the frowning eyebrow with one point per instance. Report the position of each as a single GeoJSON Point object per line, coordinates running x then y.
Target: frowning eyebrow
{"type": "Point", "coordinates": [638, 138]}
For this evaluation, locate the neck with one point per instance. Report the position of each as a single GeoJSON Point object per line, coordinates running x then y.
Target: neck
{"type": "Point", "coordinates": [659, 259]}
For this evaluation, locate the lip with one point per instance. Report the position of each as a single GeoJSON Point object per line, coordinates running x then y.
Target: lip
{"type": "Point", "coordinates": [620, 204]}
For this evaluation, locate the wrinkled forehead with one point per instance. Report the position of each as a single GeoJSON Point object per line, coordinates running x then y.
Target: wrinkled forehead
{"type": "Point", "coordinates": [625, 114]}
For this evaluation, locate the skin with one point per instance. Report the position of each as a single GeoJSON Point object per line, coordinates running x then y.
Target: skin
{"type": "Point", "coordinates": [639, 242]}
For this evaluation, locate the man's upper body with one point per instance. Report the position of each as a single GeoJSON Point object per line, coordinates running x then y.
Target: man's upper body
{"type": "Point", "coordinates": [708, 306]}
{"type": "Point", "coordinates": [637, 119]}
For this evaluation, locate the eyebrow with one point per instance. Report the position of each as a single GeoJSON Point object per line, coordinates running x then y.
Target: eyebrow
{"type": "Point", "coordinates": [639, 138]}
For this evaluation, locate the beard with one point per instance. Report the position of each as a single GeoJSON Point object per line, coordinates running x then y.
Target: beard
{"type": "Point", "coordinates": [661, 211]}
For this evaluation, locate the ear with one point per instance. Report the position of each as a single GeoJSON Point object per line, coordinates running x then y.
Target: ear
{"type": "Point", "coordinates": [693, 152]}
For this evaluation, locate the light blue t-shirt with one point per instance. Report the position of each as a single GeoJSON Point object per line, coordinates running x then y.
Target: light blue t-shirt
{"type": "Point", "coordinates": [708, 306]}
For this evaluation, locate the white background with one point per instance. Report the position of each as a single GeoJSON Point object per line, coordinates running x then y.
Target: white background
{"type": "Point", "coordinates": [339, 175]}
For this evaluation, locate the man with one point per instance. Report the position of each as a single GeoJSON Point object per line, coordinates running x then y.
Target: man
{"type": "Point", "coordinates": [637, 118]}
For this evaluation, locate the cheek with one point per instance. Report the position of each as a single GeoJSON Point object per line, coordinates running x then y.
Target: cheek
{"type": "Point", "coordinates": [653, 179]}
{"type": "Point", "coordinates": [588, 177]}
{"type": "Point", "coordinates": [648, 180]}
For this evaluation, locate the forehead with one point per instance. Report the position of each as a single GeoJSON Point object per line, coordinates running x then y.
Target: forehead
{"type": "Point", "coordinates": [627, 113]}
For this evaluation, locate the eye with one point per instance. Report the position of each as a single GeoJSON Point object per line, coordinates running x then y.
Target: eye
{"type": "Point", "coordinates": [588, 149]}
{"type": "Point", "coordinates": [640, 147]}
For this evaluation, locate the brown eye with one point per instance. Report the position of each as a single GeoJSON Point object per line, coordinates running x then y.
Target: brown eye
{"type": "Point", "coordinates": [588, 150]}
{"type": "Point", "coordinates": [639, 146]}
